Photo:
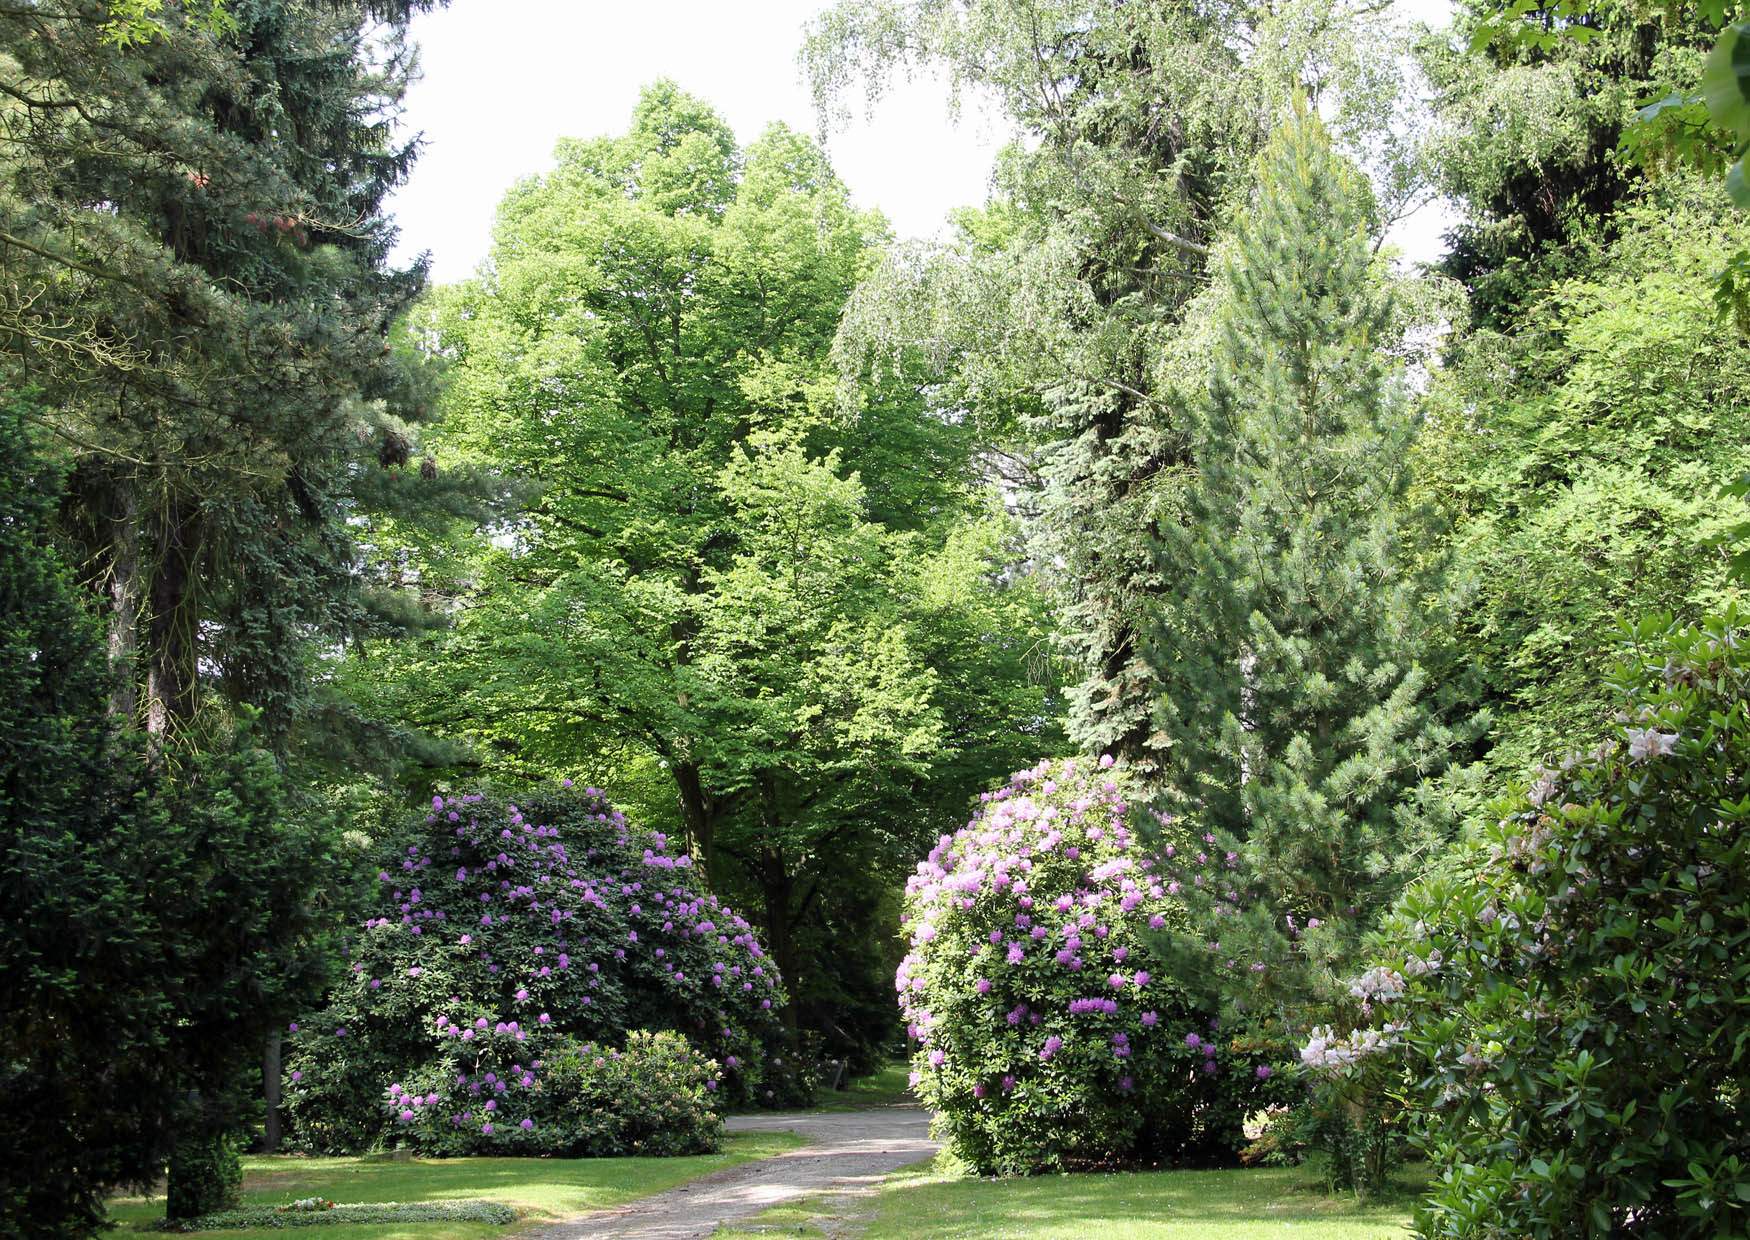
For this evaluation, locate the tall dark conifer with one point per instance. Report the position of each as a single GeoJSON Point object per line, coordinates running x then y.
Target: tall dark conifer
{"type": "Point", "coordinates": [194, 269]}
{"type": "Point", "coordinates": [194, 275]}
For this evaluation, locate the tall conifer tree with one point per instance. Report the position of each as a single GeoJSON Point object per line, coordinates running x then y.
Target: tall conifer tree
{"type": "Point", "coordinates": [1296, 687]}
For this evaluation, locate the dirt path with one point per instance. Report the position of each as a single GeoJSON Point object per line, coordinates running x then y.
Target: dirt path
{"type": "Point", "coordinates": [849, 1152]}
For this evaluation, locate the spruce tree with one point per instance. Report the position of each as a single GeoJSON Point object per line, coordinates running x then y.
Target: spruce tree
{"type": "Point", "coordinates": [1294, 661]}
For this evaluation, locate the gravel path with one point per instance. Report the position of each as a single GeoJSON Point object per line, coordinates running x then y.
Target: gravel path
{"type": "Point", "coordinates": [849, 1152]}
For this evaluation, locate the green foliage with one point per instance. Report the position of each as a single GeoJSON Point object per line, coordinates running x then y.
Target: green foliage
{"type": "Point", "coordinates": [1348, 1118]}
{"type": "Point", "coordinates": [1295, 663]}
{"type": "Point", "coordinates": [1057, 315]}
{"type": "Point", "coordinates": [213, 344]}
{"type": "Point", "coordinates": [1576, 978]}
{"type": "Point", "coordinates": [154, 923]}
{"type": "Point", "coordinates": [140, 21]}
{"type": "Point", "coordinates": [653, 1098]}
{"type": "Point", "coordinates": [1050, 1036]}
{"type": "Point", "coordinates": [1725, 87]}
{"type": "Point", "coordinates": [206, 1176]}
{"type": "Point", "coordinates": [784, 623]}
{"type": "Point", "coordinates": [78, 1011]}
{"type": "Point", "coordinates": [1578, 459]}
{"type": "Point", "coordinates": [1534, 130]}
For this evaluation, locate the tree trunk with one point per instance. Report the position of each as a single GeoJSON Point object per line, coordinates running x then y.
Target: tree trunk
{"type": "Point", "coordinates": [698, 812]}
{"type": "Point", "coordinates": [777, 885]}
{"type": "Point", "coordinates": [124, 606]}
{"type": "Point", "coordinates": [171, 624]}
{"type": "Point", "coordinates": [270, 1094]}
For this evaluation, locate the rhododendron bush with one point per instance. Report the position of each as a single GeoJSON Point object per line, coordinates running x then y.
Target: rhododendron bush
{"type": "Point", "coordinates": [1564, 1006]}
{"type": "Point", "coordinates": [1047, 1035]}
{"type": "Point", "coordinates": [507, 934]}
{"type": "Point", "coordinates": [553, 1095]}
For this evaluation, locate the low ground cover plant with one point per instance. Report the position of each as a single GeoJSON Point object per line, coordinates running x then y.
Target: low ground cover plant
{"type": "Point", "coordinates": [1047, 1031]}
{"type": "Point", "coordinates": [508, 936]}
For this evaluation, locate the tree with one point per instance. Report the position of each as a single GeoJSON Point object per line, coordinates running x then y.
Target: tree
{"type": "Point", "coordinates": [725, 583]}
{"type": "Point", "coordinates": [1582, 425]}
{"type": "Point", "coordinates": [153, 925]}
{"type": "Point", "coordinates": [1577, 460]}
{"type": "Point", "coordinates": [1537, 107]}
{"type": "Point", "coordinates": [193, 272]}
{"type": "Point", "coordinates": [1298, 667]}
{"type": "Point", "coordinates": [1058, 316]}
{"type": "Point", "coordinates": [195, 277]}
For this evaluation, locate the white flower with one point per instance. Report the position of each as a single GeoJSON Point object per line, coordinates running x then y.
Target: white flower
{"type": "Point", "coordinates": [1416, 966]}
{"type": "Point", "coordinates": [1644, 743]}
{"type": "Point", "coordinates": [1378, 983]}
{"type": "Point", "coordinates": [1325, 1051]}
{"type": "Point", "coordinates": [1545, 788]}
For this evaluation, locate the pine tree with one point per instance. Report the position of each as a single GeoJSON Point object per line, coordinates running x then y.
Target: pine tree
{"type": "Point", "coordinates": [1050, 318]}
{"type": "Point", "coordinates": [1297, 691]}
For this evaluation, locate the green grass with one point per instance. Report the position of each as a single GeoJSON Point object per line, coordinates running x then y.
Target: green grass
{"type": "Point", "coordinates": [1258, 1204]}
{"type": "Point", "coordinates": [885, 1087]}
{"type": "Point", "coordinates": [539, 1189]}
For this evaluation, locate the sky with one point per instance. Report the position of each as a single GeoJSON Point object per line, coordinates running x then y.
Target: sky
{"type": "Point", "coordinates": [505, 79]}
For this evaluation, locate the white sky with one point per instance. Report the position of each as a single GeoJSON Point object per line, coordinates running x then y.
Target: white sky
{"type": "Point", "coordinates": [505, 79]}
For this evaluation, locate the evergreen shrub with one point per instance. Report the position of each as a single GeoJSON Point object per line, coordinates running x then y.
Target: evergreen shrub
{"type": "Point", "coordinates": [501, 930]}
{"type": "Point", "coordinates": [1048, 1035]}
{"type": "Point", "coordinates": [206, 1176]}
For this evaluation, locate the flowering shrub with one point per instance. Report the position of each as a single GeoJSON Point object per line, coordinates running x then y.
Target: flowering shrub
{"type": "Point", "coordinates": [1572, 1015]}
{"type": "Point", "coordinates": [559, 1096]}
{"type": "Point", "coordinates": [1047, 1036]}
{"type": "Point", "coordinates": [502, 927]}
{"type": "Point", "coordinates": [1348, 1120]}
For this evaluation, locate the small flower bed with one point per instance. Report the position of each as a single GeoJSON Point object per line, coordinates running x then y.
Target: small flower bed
{"type": "Point", "coordinates": [505, 932]}
{"type": "Point", "coordinates": [1048, 1032]}
{"type": "Point", "coordinates": [247, 1217]}
{"type": "Point", "coordinates": [307, 1205]}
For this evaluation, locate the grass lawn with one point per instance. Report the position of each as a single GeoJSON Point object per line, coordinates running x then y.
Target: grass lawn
{"type": "Point", "coordinates": [539, 1189]}
{"type": "Point", "coordinates": [1259, 1204]}
{"type": "Point", "coordinates": [886, 1087]}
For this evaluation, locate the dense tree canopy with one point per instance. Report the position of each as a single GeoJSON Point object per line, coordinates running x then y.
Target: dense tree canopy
{"type": "Point", "coordinates": [196, 279]}
{"type": "Point", "coordinates": [793, 608]}
{"type": "Point", "coordinates": [708, 490]}
{"type": "Point", "coordinates": [1063, 304]}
